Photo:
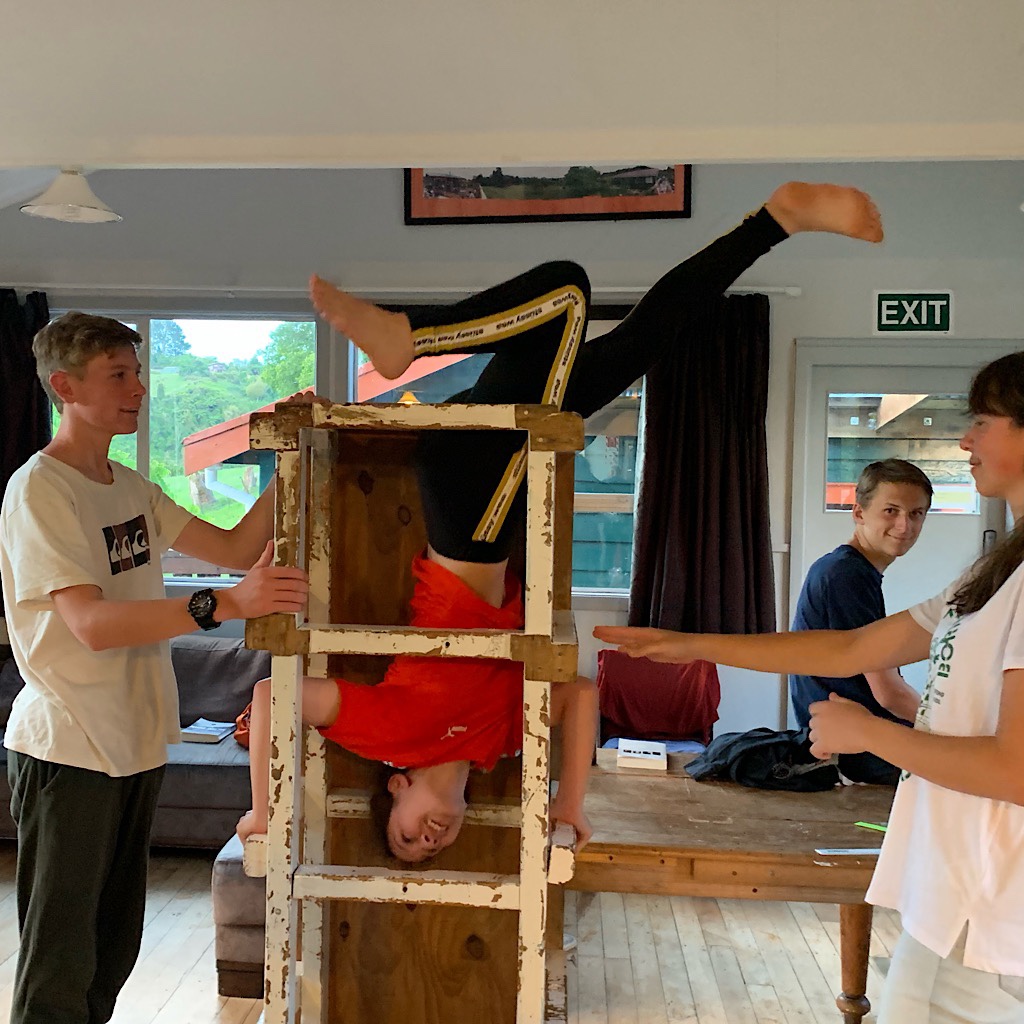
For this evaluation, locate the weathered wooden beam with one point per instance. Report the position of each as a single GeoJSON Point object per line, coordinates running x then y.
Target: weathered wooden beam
{"type": "Point", "coordinates": [323, 446]}
{"type": "Point", "coordinates": [279, 430]}
{"type": "Point", "coordinates": [384, 885]}
{"type": "Point", "coordinates": [533, 850]}
{"type": "Point", "coordinates": [550, 431]}
{"type": "Point", "coordinates": [538, 595]}
{"type": "Point", "coordinates": [555, 659]}
{"type": "Point", "coordinates": [283, 832]}
{"type": "Point", "coordinates": [277, 634]}
{"type": "Point", "coordinates": [556, 1010]}
{"type": "Point", "coordinates": [548, 428]}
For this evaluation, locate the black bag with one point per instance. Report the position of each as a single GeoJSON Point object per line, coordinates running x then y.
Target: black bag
{"type": "Point", "coordinates": [766, 759]}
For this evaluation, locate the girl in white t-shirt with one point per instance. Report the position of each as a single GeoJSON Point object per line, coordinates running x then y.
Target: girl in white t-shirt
{"type": "Point", "coordinates": [952, 861]}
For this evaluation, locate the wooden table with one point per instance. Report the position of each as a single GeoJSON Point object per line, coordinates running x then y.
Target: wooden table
{"type": "Point", "coordinates": [671, 835]}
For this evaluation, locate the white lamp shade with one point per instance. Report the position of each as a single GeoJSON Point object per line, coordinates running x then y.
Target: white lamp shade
{"type": "Point", "coordinates": [71, 199]}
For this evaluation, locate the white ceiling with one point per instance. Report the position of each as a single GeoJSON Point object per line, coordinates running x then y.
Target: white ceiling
{"type": "Point", "coordinates": [323, 83]}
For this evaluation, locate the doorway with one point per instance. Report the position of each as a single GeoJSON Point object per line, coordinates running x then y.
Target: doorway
{"type": "Point", "coordinates": [857, 401]}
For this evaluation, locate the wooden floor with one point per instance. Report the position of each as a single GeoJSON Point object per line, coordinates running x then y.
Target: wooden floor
{"type": "Point", "coordinates": [639, 959]}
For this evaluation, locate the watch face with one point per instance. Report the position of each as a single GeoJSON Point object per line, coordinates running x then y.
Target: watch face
{"type": "Point", "coordinates": [202, 604]}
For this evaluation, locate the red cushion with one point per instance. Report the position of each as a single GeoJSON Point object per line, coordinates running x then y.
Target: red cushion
{"type": "Point", "coordinates": [648, 700]}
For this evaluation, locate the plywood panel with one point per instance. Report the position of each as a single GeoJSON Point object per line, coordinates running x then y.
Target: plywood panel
{"type": "Point", "coordinates": [416, 965]}
{"type": "Point", "coordinates": [423, 965]}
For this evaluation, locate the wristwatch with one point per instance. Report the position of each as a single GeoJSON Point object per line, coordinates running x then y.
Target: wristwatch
{"type": "Point", "coordinates": [201, 606]}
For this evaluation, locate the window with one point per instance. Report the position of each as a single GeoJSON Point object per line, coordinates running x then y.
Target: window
{"type": "Point", "coordinates": [923, 429]}
{"type": "Point", "coordinates": [205, 375]}
{"type": "Point", "coordinates": [204, 378]}
{"type": "Point", "coordinates": [606, 474]}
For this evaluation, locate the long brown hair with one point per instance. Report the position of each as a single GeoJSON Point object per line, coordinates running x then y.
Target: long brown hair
{"type": "Point", "coordinates": [997, 390]}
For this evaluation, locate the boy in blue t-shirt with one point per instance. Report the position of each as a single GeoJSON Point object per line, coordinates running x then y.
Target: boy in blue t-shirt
{"type": "Point", "coordinates": [843, 590]}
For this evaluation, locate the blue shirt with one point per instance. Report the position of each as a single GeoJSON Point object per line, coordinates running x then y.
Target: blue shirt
{"type": "Point", "coordinates": [843, 590]}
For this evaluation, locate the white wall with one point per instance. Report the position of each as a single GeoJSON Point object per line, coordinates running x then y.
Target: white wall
{"type": "Point", "coordinates": [260, 233]}
{"type": "Point", "coordinates": [310, 83]}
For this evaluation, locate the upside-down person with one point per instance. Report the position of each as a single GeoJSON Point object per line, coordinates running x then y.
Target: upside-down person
{"type": "Point", "coordinates": [440, 718]}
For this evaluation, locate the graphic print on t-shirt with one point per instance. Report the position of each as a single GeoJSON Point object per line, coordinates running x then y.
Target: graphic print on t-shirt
{"type": "Point", "coordinates": [940, 657]}
{"type": "Point", "coordinates": [127, 545]}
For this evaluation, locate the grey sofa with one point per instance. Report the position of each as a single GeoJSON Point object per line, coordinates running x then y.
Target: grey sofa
{"type": "Point", "coordinates": [206, 786]}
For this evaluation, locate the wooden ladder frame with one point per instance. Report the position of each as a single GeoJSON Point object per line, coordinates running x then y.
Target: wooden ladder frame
{"type": "Point", "coordinates": [298, 878]}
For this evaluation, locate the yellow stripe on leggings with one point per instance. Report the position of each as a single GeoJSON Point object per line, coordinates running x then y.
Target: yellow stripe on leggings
{"type": "Point", "coordinates": [570, 300]}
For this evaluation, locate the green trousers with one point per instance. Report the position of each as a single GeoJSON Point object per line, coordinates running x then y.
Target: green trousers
{"type": "Point", "coordinates": [83, 853]}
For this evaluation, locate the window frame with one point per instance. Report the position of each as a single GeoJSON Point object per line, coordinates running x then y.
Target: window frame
{"type": "Point", "coordinates": [611, 598]}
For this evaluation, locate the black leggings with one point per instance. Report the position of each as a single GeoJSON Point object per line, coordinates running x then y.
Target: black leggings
{"type": "Point", "coordinates": [534, 325]}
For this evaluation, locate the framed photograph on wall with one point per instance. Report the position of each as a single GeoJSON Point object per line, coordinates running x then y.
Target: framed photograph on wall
{"type": "Point", "coordinates": [490, 195]}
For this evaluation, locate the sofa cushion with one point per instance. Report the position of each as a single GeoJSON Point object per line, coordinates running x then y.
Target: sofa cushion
{"type": "Point", "coordinates": [237, 899]}
{"type": "Point", "coordinates": [196, 828]}
{"type": "Point", "coordinates": [215, 676]}
{"type": "Point", "coordinates": [206, 775]}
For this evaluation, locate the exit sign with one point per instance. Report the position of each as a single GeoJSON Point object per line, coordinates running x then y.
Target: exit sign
{"type": "Point", "coordinates": [913, 312]}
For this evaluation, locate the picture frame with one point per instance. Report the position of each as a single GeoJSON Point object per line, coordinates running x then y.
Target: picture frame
{"type": "Point", "coordinates": [480, 195]}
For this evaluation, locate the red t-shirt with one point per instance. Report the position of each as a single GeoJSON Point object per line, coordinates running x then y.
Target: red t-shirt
{"type": "Point", "coordinates": [428, 711]}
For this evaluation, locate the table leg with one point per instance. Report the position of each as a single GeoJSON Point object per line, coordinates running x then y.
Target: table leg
{"type": "Point", "coordinates": [854, 944]}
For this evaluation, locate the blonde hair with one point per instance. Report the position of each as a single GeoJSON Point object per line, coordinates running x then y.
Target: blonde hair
{"type": "Point", "coordinates": [72, 340]}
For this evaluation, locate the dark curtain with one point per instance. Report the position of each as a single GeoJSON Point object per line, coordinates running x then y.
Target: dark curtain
{"type": "Point", "coordinates": [702, 560]}
{"type": "Point", "coordinates": [24, 407]}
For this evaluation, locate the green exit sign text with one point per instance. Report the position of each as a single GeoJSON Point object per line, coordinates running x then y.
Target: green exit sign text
{"type": "Point", "coordinates": [913, 312]}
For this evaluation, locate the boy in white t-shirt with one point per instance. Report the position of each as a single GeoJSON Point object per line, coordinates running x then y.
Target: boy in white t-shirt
{"type": "Point", "coordinates": [80, 545]}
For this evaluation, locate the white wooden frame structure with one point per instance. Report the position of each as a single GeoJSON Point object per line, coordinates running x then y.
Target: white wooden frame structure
{"type": "Point", "coordinates": [298, 879]}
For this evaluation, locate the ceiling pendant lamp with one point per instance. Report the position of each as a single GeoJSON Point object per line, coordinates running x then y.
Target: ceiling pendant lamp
{"type": "Point", "coordinates": [70, 199]}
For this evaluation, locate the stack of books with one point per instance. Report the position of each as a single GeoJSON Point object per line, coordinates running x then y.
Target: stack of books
{"type": "Point", "coordinates": [204, 731]}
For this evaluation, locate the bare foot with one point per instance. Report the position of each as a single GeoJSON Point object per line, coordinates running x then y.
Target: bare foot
{"type": "Point", "coordinates": [802, 206]}
{"type": "Point", "coordinates": [249, 826]}
{"type": "Point", "coordinates": [385, 337]}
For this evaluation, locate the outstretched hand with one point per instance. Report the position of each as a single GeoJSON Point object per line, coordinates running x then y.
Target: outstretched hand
{"type": "Point", "coordinates": [646, 642]}
{"type": "Point", "coordinates": [838, 726]}
{"type": "Point", "coordinates": [265, 589]}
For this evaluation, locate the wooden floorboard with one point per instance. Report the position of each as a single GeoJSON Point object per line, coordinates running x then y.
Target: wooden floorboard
{"type": "Point", "coordinates": [638, 959]}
